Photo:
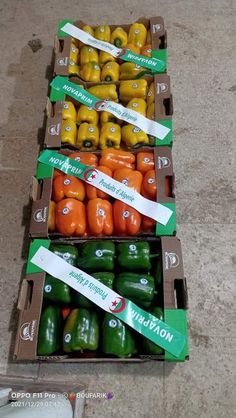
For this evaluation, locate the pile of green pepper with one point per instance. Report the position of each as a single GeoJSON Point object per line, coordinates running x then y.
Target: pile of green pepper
{"type": "Point", "coordinates": [71, 323]}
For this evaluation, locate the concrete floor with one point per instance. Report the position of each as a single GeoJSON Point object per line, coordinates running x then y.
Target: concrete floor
{"type": "Point", "coordinates": [202, 62]}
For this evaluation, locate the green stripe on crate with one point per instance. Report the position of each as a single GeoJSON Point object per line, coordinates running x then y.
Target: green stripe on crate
{"type": "Point", "coordinates": [44, 171]}
{"type": "Point", "coordinates": [62, 23]}
{"type": "Point", "coordinates": [57, 96]}
{"type": "Point", "coordinates": [160, 54]}
{"type": "Point", "coordinates": [170, 228]}
{"type": "Point", "coordinates": [34, 246]}
{"type": "Point", "coordinates": [169, 137]}
{"type": "Point", "coordinates": [177, 318]}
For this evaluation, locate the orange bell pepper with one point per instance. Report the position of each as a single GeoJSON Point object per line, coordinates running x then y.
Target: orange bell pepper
{"type": "Point", "coordinates": [149, 185]}
{"type": "Point", "coordinates": [146, 50]}
{"type": "Point", "coordinates": [114, 159]}
{"type": "Point", "coordinates": [56, 173]}
{"type": "Point", "coordinates": [70, 217]}
{"type": "Point", "coordinates": [127, 220]}
{"type": "Point", "coordinates": [145, 161]}
{"type": "Point", "coordinates": [67, 186]}
{"type": "Point", "coordinates": [133, 48]}
{"type": "Point", "coordinates": [51, 216]}
{"type": "Point", "coordinates": [92, 192]}
{"type": "Point", "coordinates": [131, 178]}
{"type": "Point", "coordinates": [99, 212]}
{"type": "Point", "coordinates": [148, 224]}
{"type": "Point", "coordinates": [86, 158]}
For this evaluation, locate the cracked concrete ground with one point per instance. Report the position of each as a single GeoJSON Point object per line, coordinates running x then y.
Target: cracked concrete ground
{"type": "Point", "coordinates": [202, 62]}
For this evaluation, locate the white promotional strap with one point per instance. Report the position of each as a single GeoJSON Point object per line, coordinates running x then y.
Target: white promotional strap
{"type": "Point", "coordinates": [90, 287]}
{"type": "Point", "coordinates": [120, 191]}
{"type": "Point", "coordinates": [88, 39]}
{"type": "Point", "coordinates": [131, 116]}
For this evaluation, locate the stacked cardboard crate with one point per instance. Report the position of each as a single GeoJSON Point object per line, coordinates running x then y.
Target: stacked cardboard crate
{"type": "Point", "coordinates": [53, 197]}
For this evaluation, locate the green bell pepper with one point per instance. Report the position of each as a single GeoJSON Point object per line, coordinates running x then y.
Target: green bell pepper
{"type": "Point", "coordinates": [149, 346]}
{"type": "Point", "coordinates": [116, 337]}
{"type": "Point", "coordinates": [97, 255]}
{"type": "Point", "coordinates": [105, 277]}
{"type": "Point", "coordinates": [55, 290]}
{"type": "Point", "coordinates": [137, 287]}
{"type": "Point", "coordinates": [81, 331]}
{"type": "Point", "coordinates": [134, 255]}
{"type": "Point", "coordinates": [50, 327]}
{"type": "Point", "coordinates": [69, 253]}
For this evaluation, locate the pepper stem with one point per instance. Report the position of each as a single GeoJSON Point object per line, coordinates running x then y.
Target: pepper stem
{"type": "Point", "coordinates": [109, 143]}
{"type": "Point", "coordinates": [118, 42]}
{"type": "Point", "coordinates": [87, 143]}
{"type": "Point", "coordinates": [108, 78]}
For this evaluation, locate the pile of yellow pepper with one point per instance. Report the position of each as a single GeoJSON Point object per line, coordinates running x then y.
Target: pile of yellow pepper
{"type": "Point", "coordinates": [92, 65]}
{"type": "Point", "coordinates": [88, 130]}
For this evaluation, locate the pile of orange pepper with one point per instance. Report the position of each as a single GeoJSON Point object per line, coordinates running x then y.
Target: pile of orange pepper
{"type": "Point", "coordinates": [79, 209]}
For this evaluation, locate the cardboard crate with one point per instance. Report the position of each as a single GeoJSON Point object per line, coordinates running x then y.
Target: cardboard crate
{"type": "Point", "coordinates": [163, 110]}
{"type": "Point", "coordinates": [41, 194]}
{"type": "Point", "coordinates": [172, 297]}
{"type": "Point", "coordinates": [62, 44]}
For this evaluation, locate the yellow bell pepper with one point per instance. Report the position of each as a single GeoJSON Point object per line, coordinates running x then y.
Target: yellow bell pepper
{"type": "Point", "coordinates": [106, 117]}
{"type": "Point", "coordinates": [73, 68]}
{"type": "Point", "coordinates": [110, 71]}
{"type": "Point", "coordinates": [105, 57]}
{"type": "Point", "coordinates": [149, 39]}
{"type": "Point", "coordinates": [104, 92]}
{"type": "Point", "coordinates": [131, 89]}
{"type": "Point", "coordinates": [133, 48]}
{"type": "Point", "coordinates": [87, 114]}
{"type": "Point", "coordinates": [150, 94]}
{"type": "Point", "coordinates": [68, 132]}
{"type": "Point", "coordinates": [74, 53]}
{"type": "Point", "coordinates": [139, 105]}
{"type": "Point", "coordinates": [110, 136]}
{"type": "Point", "coordinates": [119, 37]}
{"type": "Point", "coordinates": [69, 111]}
{"type": "Point", "coordinates": [133, 136]}
{"type": "Point", "coordinates": [129, 70]}
{"type": "Point", "coordinates": [88, 54]}
{"type": "Point", "coordinates": [90, 72]}
{"type": "Point", "coordinates": [137, 34]}
{"type": "Point", "coordinates": [88, 29]}
{"type": "Point", "coordinates": [103, 33]}
{"type": "Point", "coordinates": [88, 137]}
{"type": "Point", "coordinates": [151, 111]}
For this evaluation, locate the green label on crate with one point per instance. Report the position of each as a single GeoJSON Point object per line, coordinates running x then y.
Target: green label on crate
{"type": "Point", "coordinates": [103, 182]}
{"type": "Point", "coordinates": [141, 321]}
{"type": "Point", "coordinates": [78, 93]}
{"type": "Point", "coordinates": [151, 127]}
{"type": "Point", "coordinates": [154, 64]}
